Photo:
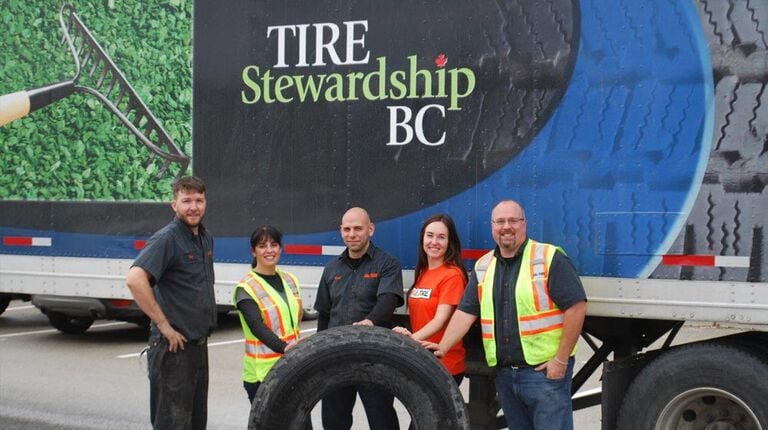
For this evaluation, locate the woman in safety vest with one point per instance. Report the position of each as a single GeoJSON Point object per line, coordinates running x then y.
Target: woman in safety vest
{"type": "Point", "coordinates": [269, 304]}
{"type": "Point", "coordinates": [440, 281]}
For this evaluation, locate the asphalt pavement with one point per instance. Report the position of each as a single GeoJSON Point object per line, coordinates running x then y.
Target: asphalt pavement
{"type": "Point", "coordinates": [98, 380]}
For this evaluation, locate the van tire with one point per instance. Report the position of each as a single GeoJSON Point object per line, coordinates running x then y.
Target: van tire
{"type": "Point", "coordinates": [374, 357]}
{"type": "Point", "coordinates": [703, 385]}
{"type": "Point", "coordinates": [4, 302]}
{"type": "Point", "coordinates": [69, 324]}
{"type": "Point", "coordinates": [309, 314]}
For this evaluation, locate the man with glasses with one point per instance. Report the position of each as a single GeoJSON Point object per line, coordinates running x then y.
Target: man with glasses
{"type": "Point", "coordinates": [531, 305]}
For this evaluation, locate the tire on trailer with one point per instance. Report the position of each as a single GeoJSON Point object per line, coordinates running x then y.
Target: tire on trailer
{"type": "Point", "coordinates": [69, 324]}
{"type": "Point", "coordinates": [4, 302]}
{"type": "Point", "coordinates": [356, 355]}
{"type": "Point", "coordinates": [699, 386]}
{"type": "Point", "coordinates": [309, 314]}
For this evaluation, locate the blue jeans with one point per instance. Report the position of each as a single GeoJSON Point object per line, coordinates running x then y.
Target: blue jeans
{"type": "Point", "coordinates": [532, 402]}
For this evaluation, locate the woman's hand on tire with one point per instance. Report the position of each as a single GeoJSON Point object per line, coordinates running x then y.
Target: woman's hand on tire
{"type": "Point", "coordinates": [402, 330]}
{"type": "Point", "coordinates": [432, 346]}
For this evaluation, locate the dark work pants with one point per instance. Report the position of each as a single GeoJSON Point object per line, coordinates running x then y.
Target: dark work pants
{"type": "Point", "coordinates": [337, 409]}
{"type": "Point", "coordinates": [251, 388]}
{"type": "Point", "coordinates": [178, 385]}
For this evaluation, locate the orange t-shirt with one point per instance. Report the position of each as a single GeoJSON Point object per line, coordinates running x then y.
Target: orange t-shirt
{"type": "Point", "coordinates": [443, 285]}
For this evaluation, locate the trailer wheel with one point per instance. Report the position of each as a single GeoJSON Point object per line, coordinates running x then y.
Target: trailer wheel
{"type": "Point", "coordinates": [69, 324]}
{"type": "Point", "coordinates": [698, 386]}
{"type": "Point", "coordinates": [4, 302]}
{"type": "Point", "coordinates": [309, 314]}
{"type": "Point", "coordinates": [355, 355]}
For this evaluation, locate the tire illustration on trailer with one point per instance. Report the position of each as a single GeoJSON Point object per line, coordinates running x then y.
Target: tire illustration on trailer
{"type": "Point", "coordinates": [697, 387]}
{"type": "Point", "coordinates": [353, 355]}
{"type": "Point", "coordinates": [727, 217]}
{"type": "Point", "coordinates": [595, 114]}
{"type": "Point", "coordinates": [521, 55]}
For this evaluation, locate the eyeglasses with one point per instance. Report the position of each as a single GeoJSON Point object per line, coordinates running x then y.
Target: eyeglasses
{"type": "Point", "coordinates": [510, 221]}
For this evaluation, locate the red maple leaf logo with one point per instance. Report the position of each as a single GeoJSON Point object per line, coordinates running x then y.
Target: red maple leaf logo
{"type": "Point", "coordinates": [441, 60]}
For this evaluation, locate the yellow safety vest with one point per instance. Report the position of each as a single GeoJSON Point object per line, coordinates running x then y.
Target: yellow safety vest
{"type": "Point", "coordinates": [281, 317]}
{"type": "Point", "coordinates": [540, 321]}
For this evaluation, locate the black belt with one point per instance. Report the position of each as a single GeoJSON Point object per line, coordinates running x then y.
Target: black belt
{"type": "Point", "coordinates": [518, 365]}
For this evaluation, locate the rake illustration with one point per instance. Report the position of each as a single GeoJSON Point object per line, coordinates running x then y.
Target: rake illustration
{"type": "Point", "coordinates": [111, 88]}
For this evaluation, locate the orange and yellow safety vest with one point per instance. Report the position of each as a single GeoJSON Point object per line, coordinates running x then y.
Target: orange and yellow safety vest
{"type": "Point", "coordinates": [540, 321]}
{"type": "Point", "coordinates": [281, 317]}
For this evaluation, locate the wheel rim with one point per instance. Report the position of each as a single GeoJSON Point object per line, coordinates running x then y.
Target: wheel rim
{"type": "Point", "coordinates": [707, 409]}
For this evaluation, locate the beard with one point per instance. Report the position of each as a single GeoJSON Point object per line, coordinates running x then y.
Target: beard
{"type": "Point", "coordinates": [190, 220]}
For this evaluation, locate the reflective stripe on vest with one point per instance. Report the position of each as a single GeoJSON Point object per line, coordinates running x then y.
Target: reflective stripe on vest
{"type": "Point", "coordinates": [540, 322]}
{"type": "Point", "coordinates": [281, 317]}
{"type": "Point", "coordinates": [539, 275]}
{"type": "Point", "coordinates": [270, 310]}
{"type": "Point", "coordinates": [481, 267]}
{"type": "Point", "coordinates": [486, 327]}
{"type": "Point", "coordinates": [535, 324]}
{"type": "Point", "coordinates": [257, 349]}
{"type": "Point", "coordinates": [263, 297]}
{"type": "Point", "coordinates": [485, 269]}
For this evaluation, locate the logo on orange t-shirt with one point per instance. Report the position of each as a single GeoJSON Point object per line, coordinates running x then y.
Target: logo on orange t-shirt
{"type": "Point", "coordinates": [421, 293]}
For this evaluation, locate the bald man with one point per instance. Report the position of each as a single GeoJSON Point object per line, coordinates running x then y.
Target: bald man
{"type": "Point", "coordinates": [362, 286]}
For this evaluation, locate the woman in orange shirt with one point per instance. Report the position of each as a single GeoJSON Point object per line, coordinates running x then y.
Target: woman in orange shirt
{"type": "Point", "coordinates": [440, 282]}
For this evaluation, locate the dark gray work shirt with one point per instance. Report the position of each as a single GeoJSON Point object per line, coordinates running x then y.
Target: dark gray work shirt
{"type": "Point", "coordinates": [180, 264]}
{"type": "Point", "coordinates": [565, 289]}
{"type": "Point", "coordinates": [347, 292]}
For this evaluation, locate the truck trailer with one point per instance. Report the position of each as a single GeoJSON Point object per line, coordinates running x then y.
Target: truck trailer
{"type": "Point", "coordinates": [635, 134]}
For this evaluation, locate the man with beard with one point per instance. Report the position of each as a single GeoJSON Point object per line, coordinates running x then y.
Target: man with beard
{"type": "Point", "coordinates": [531, 306]}
{"type": "Point", "coordinates": [172, 282]}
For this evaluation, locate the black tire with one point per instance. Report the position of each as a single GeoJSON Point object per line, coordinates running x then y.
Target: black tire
{"type": "Point", "coordinates": [221, 317]}
{"type": "Point", "coordinates": [712, 385]}
{"type": "Point", "coordinates": [4, 301]}
{"type": "Point", "coordinates": [144, 325]}
{"type": "Point", "coordinates": [754, 341]}
{"type": "Point", "coordinates": [309, 315]}
{"type": "Point", "coordinates": [356, 355]}
{"type": "Point", "coordinates": [69, 324]}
